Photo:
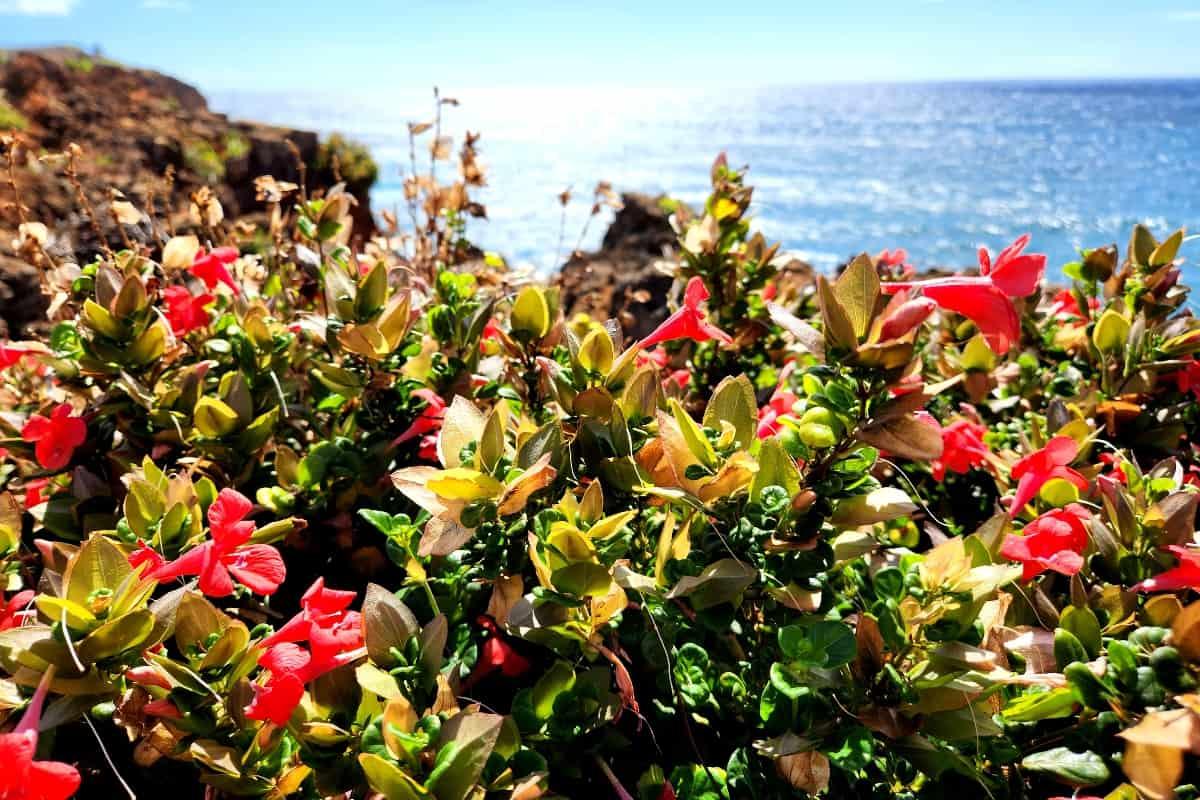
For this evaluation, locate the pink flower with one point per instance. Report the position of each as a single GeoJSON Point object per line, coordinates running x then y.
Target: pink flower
{"type": "Point", "coordinates": [984, 299]}
{"type": "Point", "coordinates": [689, 322]}
{"type": "Point", "coordinates": [185, 312]}
{"type": "Point", "coordinates": [213, 268]}
{"type": "Point", "coordinates": [1035, 469]}
{"type": "Point", "coordinates": [228, 555]}
{"type": "Point", "coordinates": [56, 436]}
{"type": "Point", "coordinates": [1054, 541]}
{"type": "Point", "coordinates": [23, 778]}
{"type": "Point", "coordinates": [1186, 575]}
{"type": "Point", "coordinates": [962, 448]}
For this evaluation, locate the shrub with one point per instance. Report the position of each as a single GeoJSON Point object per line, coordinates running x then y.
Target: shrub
{"type": "Point", "coordinates": [353, 160]}
{"type": "Point", "coordinates": [877, 536]}
{"type": "Point", "coordinates": [11, 119]}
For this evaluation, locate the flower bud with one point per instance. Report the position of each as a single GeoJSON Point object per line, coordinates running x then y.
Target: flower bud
{"type": "Point", "coordinates": [908, 316]}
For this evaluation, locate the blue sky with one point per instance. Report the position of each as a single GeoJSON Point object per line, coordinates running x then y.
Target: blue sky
{"type": "Point", "coordinates": [335, 44]}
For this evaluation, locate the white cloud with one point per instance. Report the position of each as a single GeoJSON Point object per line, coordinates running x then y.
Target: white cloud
{"type": "Point", "coordinates": [1184, 16]}
{"type": "Point", "coordinates": [167, 5]}
{"type": "Point", "coordinates": [42, 8]}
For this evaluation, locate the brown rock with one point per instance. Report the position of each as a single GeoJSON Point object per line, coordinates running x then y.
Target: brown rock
{"type": "Point", "coordinates": [134, 124]}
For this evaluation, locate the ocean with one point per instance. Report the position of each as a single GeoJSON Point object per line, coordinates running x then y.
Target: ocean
{"type": "Point", "coordinates": [938, 169]}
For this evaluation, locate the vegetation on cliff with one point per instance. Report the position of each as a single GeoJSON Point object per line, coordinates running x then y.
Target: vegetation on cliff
{"type": "Point", "coordinates": [312, 513]}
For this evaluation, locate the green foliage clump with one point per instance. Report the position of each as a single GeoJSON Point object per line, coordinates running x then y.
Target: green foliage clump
{"type": "Point", "coordinates": [353, 161]}
{"type": "Point", "coordinates": [865, 535]}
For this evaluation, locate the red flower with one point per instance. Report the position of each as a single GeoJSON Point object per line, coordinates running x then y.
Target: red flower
{"type": "Point", "coordinates": [906, 317]}
{"type": "Point", "coordinates": [1186, 575]}
{"type": "Point", "coordinates": [213, 268]}
{"type": "Point", "coordinates": [1188, 378]}
{"type": "Point", "coordinates": [145, 554]}
{"type": "Point", "coordinates": [689, 322]}
{"type": "Point", "coordinates": [334, 636]}
{"type": "Point", "coordinates": [34, 496]}
{"type": "Point", "coordinates": [496, 655]}
{"type": "Point", "coordinates": [1054, 541]}
{"type": "Point", "coordinates": [984, 299]}
{"type": "Point", "coordinates": [11, 354]}
{"type": "Point", "coordinates": [13, 612]}
{"type": "Point", "coordinates": [227, 555]}
{"type": "Point", "coordinates": [275, 700]}
{"type": "Point", "coordinates": [1035, 469]}
{"type": "Point", "coordinates": [962, 448]}
{"type": "Point", "coordinates": [1066, 307]}
{"type": "Point", "coordinates": [56, 436]}
{"type": "Point", "coordinates": [895, 262]}
{"type": "Point", "coordinates": [23, 778]}
{"type": "Point", "coordinates": [779, 406]}
{"type": "Point", "coordinates": [322, 609]}
{"type": "Point", "coordinates": [426, 425]}
{"type": "Point", "coordinates": [185, 312]}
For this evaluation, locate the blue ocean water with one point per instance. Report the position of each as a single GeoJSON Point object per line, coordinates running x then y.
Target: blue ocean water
{"type": "Point", "coordinates": [938, 169]}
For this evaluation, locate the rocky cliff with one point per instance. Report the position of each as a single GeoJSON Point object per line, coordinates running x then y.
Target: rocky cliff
{"type": "Point", "coordinates": [135, 127]}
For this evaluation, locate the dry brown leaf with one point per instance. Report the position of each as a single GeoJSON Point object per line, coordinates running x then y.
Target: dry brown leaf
{"type": "Point", "coordinates": [808, 772]}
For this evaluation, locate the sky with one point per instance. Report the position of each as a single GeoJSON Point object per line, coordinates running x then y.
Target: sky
{"type": "Point", "coordinates": [372, 44]}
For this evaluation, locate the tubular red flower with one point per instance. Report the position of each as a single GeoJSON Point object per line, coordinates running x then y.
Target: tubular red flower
{"type": "Point", "coordinates": [985, 299]}
{"type": "Point", "coordinates": [23, 778]}
{"type": "Point", "coordinates": [1035, 469]}
{"type": "Point", "coordinates": [185, 312]}
{"type": "Point", "coordinates": [963, 448]}
{"type": "Point", "coordinates": [227, 555]}
{"type": "Point", "coordinates": [1014, 272]}
{"type": "Point", "coordinates": [55, 437]}
{"type": "Point", "coordinates": [213, 268]}
{"type": "Point", "coordinates": [1185, 575]}
{"type": "Point", "coordinates": [689, 322]}
{"type": "Point", "coordinates": [1054, 541]}
{"type": "Point", "coordinates": [908, 316]}
{"type": "Point", "coordinates": [12, 612]}
{"type": "Point", "coordinates": [428, 422]}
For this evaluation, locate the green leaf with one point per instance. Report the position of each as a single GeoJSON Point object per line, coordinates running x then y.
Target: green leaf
{"type": "Point", "coordinates": [560, 678]}
{"type": "Point", "coordinates": [530, 313]}
{"type": "Point", "coordinates": [1111, 332]}
{"type": "Point", "coordinates": [1074, 769]}
{"type": "Point", "coordinates": [857, 291]}
{"type": "Point", "coordinates": [822, 644]}
{"type": "Point", "coordinates": [1053, 704]}
{"type": "Point", "coordinates": [116, 636]}
{"type": "Point", "coordinates": [99, 564]}
{"type": "Point", "coordinates": [697, 443]}
{"type": "Point", "coordinates": [722, 581]}
{"type": "Point", "coordinates": [387, 623]}
{"type": "Point", "coordinates": [389, 779]}
{"type": "Point", "coordinates": [467, 741]}
{"type": "Point", "coordinates": [839, 330]}
{"type": "Point", "coordinates": [1165, 253]}
{"type": "Point", "coordinates": [733, 402]}
{"type": "Point", "coordinates": [214, 418]}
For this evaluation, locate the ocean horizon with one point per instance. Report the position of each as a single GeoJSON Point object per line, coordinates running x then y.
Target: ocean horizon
{"type": "Point", "coordinates": [937, 168]}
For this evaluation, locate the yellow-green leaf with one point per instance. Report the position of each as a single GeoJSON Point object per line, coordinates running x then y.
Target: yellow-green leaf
{"type": "Point", "coordinates": [857, 290]}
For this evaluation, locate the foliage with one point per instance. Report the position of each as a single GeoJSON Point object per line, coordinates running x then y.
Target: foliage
{"type": "Point", "coordinates": [876, 536]}
{"type": "Point", "coordinates": [353, 161]}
